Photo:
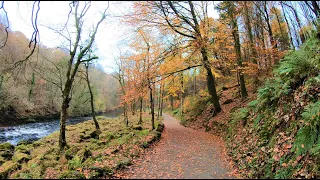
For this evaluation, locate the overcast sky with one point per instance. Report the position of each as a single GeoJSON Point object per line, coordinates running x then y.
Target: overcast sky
{"type": "Point", "coordinates": [55, 12]}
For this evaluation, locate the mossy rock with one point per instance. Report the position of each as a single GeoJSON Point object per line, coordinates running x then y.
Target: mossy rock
{"type": "Point", "coordinates": [94, 175]}
{"type": "Point", "coordinates": [84, 137]}
{"type": "Point", "coordinates": [139, 128]}
{"type": "Point", "coordinates": [83, 154]}
{"type": "Point", "coordinates": [8, 167]}
{"type": "Point", "coordinates": [2, 160]}
{"type": "Point", "coordinates": [157, 135]}
{"type": "Point", "coordinates": [20, 157]}
{"type": "Point", "coordinates": [31, 120]}
{"type": "Point", "coordinates": [102, 170]}
{"type": "Point", "coordinates": [74, 163]}
{"type": "Point", "coordinates": [24, 148]}
{"type": "Point", "coordinates": [95, 134]}
{"type": "Point", "coordinates": [71, 152]}
{"type": "Point", "coordinates": [160, 127]}
{"type": "Point", "coordinates": [36, 143]}
{"type": "Point", "coordinates": [123, 163]}
{"type": "Point", "coordinates": [24, 142]}
{"type": "Point", "coordinates": [6, 154]}
{"type": "Point", "coordinates": [71, 175]}
{"type": "Point", "coordinates": [7, 146]}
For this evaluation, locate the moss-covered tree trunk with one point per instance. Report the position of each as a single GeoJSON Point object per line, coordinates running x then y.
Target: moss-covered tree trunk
{"type": "Point", "coordinates": [91, 99]}
{"type": "Point", "coordinates": [63, 114]}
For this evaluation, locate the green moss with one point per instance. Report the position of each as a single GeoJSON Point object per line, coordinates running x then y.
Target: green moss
{"type": "Point", "coordinates": [143, 132]}
{"type": "Point", "coordinates": [20, 157]}
{"type": "Point", "coordinates": [7, 167]}
{"type": "Point", "coordinates": [123, 163]}
{"type": "Point", "coordinates": [74, 163]}
{"type": "Point", "coordinates": [107, 136]}
{"type": "Point", "coordinates": [6, 146]}
{"type": "Point", "coordinates": [6, 154]}
{"type": "Point", "coordinates": [71, 175]}
{"type": "Point", "coordinates": [24, 148]}
{"type": "Point", "coordinates": [83, 154]}
{"type": "Point", "coordinates": [45, 153]}
{"type": "Point", "coordinates": [25, 175]}
{"type": "Point", "coordinates": [71, 152]}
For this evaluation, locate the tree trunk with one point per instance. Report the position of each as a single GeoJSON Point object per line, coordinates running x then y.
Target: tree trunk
{"type": "Point", "coordinates": [285, 18]}
{"type": "Point", "coordinates": [125, 114]}
{"type": "Point", "coordinates": [195, 83]}
{"type": "Point", "coordinates": [316, 8]}
{"type": "Point", "coordinates": [181, 98]}
{"type": "Point", "coordinates": [159, 104]}
{"type": "Point", "coordinates": [171, 102]}
{"type": "Point", "coordinates": [140, 115]}
{"type": "Point", "coordinates": [151, 105]}
{"type": "Point", "coordinates": [210, 81]}
{"type": "Point", "coordinates": [283, 43]}
{"type": "Point", "coordinates": [63, 114]}
{"type": "Point", "coordinates": [63, 118]}
{"type": "Point", "coordinates": [1, 80]}
{"type": "Point", "coordinates": [32, 86]}
{"type": "Point", "coordinates": [249, 31]}
{"type": "Point", "coordinates": [162, 94]}
{"type": "Point", "coordinates": [91, 100]}
{"type": "Point", "coordinates": [235, 34]}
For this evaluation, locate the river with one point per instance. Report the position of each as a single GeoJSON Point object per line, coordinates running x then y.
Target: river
{"type": "Point", "coordinates": [35, 131]}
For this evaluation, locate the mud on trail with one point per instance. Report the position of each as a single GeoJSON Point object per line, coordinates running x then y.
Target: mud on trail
{"type": "Point", "coordinates": [182, 153]}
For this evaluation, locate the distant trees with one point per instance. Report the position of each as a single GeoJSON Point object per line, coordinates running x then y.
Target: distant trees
{"type": "Point", "coordinates": [50, 74]}
{"type": "Point", "coordinates": [249, 38]}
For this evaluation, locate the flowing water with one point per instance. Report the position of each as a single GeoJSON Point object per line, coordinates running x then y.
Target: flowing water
{"type": "Point", "coordinates": [35, 131]}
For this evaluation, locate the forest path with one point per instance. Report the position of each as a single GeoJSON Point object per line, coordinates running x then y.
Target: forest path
{"type": "Point", "coordinates": [182, 153]}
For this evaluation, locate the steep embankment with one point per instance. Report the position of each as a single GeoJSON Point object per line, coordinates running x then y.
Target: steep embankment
{"type": "Point", "coordinates": [277, 135]}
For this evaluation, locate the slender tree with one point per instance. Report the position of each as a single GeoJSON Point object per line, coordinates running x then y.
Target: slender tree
{"type": "Point", "coordinates": [77, 53]}
{"type": "Point", "coordinates": [86, 65]}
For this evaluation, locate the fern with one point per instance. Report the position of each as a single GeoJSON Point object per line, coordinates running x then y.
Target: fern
{"type": "Point", "coordinates": [308, 135]}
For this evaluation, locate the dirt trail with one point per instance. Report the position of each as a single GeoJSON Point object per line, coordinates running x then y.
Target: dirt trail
{"type": "Point", "coordinates": [182, 153]}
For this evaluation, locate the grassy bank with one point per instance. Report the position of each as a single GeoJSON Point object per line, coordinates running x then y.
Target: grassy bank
{"type": "Point", "coordinates": [88, 155]}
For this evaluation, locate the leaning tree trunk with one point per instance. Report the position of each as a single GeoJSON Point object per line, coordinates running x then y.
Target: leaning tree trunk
{"type": "Point", "coordinates": [91, 101]}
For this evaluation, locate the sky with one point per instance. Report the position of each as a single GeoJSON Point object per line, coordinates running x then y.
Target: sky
{"type": "Point", "coordinates": [53, 13]}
